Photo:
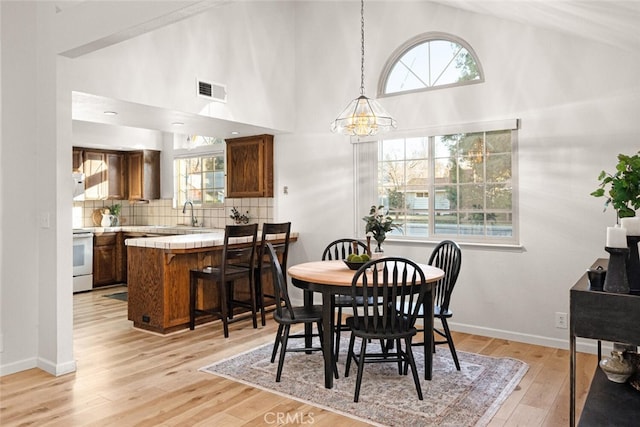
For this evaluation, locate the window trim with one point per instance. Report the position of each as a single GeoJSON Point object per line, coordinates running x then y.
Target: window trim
{"type": "Point", "coordinates": [415, 41]}
{"type": "Point", "coordinates": [365, 180]}
{"type": "Point", "coordinates": [202, 151]}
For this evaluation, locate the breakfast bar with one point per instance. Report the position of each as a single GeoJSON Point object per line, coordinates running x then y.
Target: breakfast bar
{"type": "Point", "coordinates": [158, 278]}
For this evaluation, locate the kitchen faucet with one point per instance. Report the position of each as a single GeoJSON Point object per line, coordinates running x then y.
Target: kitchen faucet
{"type": "Point", "coordinates": [194, 220]}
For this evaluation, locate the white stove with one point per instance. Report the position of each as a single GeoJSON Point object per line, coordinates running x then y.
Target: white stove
{"type": "Point", "coordinates": [82, 260]}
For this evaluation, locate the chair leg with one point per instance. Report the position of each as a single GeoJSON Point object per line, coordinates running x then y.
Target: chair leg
{"type": "Point", "coordinates": [193, 285]}
{"type": "Point", "coordinates": [229, 298]}
{"type": "Point", "coordinates": [363, 351]}
{"type": "Point", "coordinates": [260, 291]}
{"type": "Point", "coordinates": [283, 351]}
{"type": "Point", "coordinates": [452, 348]}
{"type": "Point", "coordinates": [350, 354]}
{"type": "Point", "coordinates": [414, 370]}
{"type": "Point", "coordinates": [338, 330]}
{"type": "Point", "coordinates": [254, 298]}
{"type": "Point", "coordinates": [223, 309]}
{"type": "Point", "coordinates": [277, 342]}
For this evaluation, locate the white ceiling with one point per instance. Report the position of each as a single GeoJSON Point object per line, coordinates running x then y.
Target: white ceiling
{"type": "Point", "coordinates": [91, 108]}
{"type": "Point", "coordinates": [610, 21]}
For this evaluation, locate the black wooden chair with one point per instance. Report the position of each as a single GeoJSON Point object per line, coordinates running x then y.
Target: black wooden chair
{"type": "Point", "coordinates": [447, 256]}
{"type": "Point", "coordinates": [238, 260]}
{"type": "Point", "coordinates": [263, 265]}
{"type": "Point", "coordinates": [393, 289]}
{"type": "Point", "coordinates": [338, 250]}
{"type": "Point", "coordinates": [287, 315]}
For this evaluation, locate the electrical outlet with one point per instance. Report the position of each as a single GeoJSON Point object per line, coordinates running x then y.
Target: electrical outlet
{"type": "Point", "coordinates": [561, 320]}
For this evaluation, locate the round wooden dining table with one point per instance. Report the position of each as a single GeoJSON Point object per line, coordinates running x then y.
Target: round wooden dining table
{"type": "Point", "coordinates": [330, 278]}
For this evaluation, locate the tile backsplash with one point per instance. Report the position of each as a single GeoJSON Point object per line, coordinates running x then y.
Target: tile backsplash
{"type": "Point", "coordinates": [162, 212]}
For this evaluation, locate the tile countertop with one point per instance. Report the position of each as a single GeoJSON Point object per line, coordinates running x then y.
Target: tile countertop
{"type": "Point", "coordinates": [155, 229]}
{"type": "Point", "coordinates": [191, 241]}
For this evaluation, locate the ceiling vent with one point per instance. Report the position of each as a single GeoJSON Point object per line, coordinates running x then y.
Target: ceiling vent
{"type": "Point", "coordinates": [214, 91]}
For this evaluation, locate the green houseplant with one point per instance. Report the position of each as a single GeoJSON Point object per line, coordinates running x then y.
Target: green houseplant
{"type": "Point", "coordinates": [379, 223]}
{"type": "Point", "coordinates": [622, 188]}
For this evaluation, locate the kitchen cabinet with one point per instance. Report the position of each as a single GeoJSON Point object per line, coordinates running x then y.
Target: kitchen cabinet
{"type": "Point", "coordinates": [116, 176]}
{"type": "Point", "coordinates": [105, 173]}
{"type": "Point", "coordinates": [144, 175]}
{"type": "Point", "coordinates": [250, 166]}
{"type": "Point", "coordinates": [94, 165]}
{"type": "Point", "coordinates": [77, 160]}
{"type": "Point", "coordinates": [106, 259]}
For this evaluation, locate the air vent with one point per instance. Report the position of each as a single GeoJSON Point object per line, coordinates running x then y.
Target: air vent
{"type": "Point", "coordinates": [213, 91]}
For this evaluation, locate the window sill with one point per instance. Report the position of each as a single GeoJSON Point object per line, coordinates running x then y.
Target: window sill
{"type": "Point", "coordinates": [479, 245]}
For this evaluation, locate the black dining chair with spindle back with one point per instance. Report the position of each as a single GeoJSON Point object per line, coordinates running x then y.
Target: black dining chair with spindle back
{"type": "Point", "coordinates": [339, 250]}
{"type": "Point", "coordinates": [393, 289]}
{"type": "Point", "coordinates": [287, 315]}
{"type": "Point", "coordinates": [270, 231]}
{"type": "Point", "coordinates": [447, 256]}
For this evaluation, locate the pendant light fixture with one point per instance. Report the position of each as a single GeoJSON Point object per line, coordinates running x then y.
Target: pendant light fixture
{"type": "Point", "coordinates": [363, 116]}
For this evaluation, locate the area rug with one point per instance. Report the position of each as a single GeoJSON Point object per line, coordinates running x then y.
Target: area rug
{"type": "Point", "coordinates": [122, 296]}
{"type": "Point", "coordinates": [469, 397]}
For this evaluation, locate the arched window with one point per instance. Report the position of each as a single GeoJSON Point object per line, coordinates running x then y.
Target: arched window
{"type": "Point", "coordinates": [430, 61]}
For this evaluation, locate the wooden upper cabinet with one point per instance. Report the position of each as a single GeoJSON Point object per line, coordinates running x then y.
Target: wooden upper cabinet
{"type": "Point", "coordinates": [77, 160]}
{"type": "Point", "coordinates": [144, 175]}
{"type": "Point", "coordinates": [95, 170]}
{"type": "Point", "coordinates": [250, 166]}
{"type": "Point", "coordinates": [116, 176]}
{"type": "Point", "coordinates": [105, 173]}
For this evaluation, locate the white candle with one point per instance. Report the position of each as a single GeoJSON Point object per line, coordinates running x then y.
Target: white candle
{"type": "Point", "coordinates": [616, 237]}
{"type": "Point", "coordinates": [632, 224]}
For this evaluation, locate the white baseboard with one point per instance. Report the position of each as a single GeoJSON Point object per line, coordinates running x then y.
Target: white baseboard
{"type": "Point", "coordinates": [45, 365]}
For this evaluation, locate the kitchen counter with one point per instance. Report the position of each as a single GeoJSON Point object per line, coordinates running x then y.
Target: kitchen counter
{"type": "Point", "coordinates": [154, 229]}
{"type": "Point", "coordinates": [158, 278]}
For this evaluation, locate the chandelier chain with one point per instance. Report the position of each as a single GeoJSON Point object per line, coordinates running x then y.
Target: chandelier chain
{"type": "Point", "coordinates": [362, 47]}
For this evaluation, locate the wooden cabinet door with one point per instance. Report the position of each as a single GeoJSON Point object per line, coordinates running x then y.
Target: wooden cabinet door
{"type": "Point", "coordinates": [77, 160]}
{"type": "Point", "coordinates": [250, 166]}
{"type": "Point", "coordinates": [144, 175]}
{"type": "Point", "coordinates": [95, 170]}
{"type": "Point", "coordinates": [116, 176]}
{"type": "Point", "coordinates": [105, 259]}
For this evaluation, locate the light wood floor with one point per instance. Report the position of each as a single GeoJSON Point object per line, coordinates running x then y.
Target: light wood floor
{"type": "Point", "coordinates": [127, 377]}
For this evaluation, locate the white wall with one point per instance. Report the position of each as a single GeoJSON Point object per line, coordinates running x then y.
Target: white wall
{"type": "Point", "coordinates": [576, 100]}
{"type": "Point", "coordinates": [294, 66]}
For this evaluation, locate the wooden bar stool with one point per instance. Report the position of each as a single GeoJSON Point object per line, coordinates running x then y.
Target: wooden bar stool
{"type": "Point", "coordinates": [270, 231]}
{"type": "Point", "coordinates": [238, 259]}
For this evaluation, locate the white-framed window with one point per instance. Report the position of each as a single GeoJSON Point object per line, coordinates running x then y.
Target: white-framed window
{"type": "Point", "coordinates": [432, 60]}
{"type": "Point", "coordinates": [199, 170]}
{"type": "Point", "coordinates": [451, 182]}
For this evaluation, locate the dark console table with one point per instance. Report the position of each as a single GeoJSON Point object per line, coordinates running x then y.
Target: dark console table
{"type": "Point", "coordinates": [608, 317]}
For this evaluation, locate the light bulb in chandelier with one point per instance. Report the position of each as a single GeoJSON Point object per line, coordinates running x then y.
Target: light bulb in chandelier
{"type": "Point", "coordinates": [363, 117]}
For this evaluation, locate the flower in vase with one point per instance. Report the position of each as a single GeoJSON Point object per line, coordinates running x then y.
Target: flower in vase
{"type": "Point", "coordinates": [379, 223]}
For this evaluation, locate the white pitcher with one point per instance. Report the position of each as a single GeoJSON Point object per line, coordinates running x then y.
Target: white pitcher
{"type": "Point", "coordinates": [106, 220]}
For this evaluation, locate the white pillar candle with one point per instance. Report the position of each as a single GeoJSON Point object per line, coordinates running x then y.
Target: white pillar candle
{"type": "Point", "coordinates": [632, 224]}
{"type": "Point", "coordinates": [616, 237]}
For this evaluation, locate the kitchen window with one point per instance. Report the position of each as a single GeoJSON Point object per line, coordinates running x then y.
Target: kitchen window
{"type": "Point", "coordinates": [199, 171]}
{"type": "Point", "coordinates": [453, 182]}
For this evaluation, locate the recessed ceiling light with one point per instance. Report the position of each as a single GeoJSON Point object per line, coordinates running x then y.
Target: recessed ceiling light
{"type": "Point", "coordinates": [110, 113]}
{"type": "Point", "coordinates": [235, 132]}
{"type": "Point", "coordinates": [177, 124]}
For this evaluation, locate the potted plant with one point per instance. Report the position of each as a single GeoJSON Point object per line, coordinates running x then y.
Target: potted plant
{"type": "Point", "coordinates": [622, 188]}
{"type": "Point", "coordinates": [239, 218]}
{"type": "Point", "coordinates": [379, 223]}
